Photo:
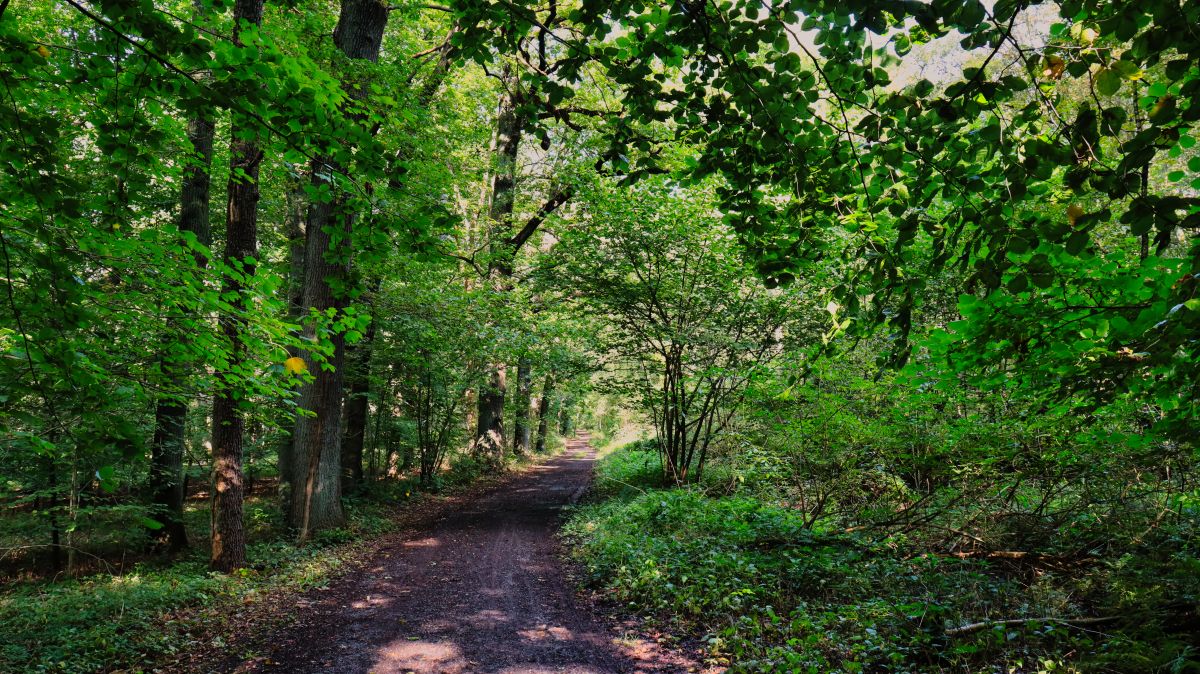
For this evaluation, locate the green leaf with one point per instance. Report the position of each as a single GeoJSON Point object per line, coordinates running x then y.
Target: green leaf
{"type": "Point", "coordinates": [1077, 242]}
{"type": "Point", "coordinates": [1108, 81]}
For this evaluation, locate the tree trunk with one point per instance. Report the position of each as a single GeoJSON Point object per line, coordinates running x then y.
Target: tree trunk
{"type": "Point", "coordinates": [544, 414]}
{"type": "Point", "coordinates": [295, 289]}
{"type": "Point", "coordinates": [521, 428]}
{"type": "Point", "coordinates": [315, 474]}
{"type": "Point", "coordinates": [489, 434]}
{"type": "Point", "coordinates": [170, 411]}
{"type": "Point", "coordinates": [358, 376]}
{"type": "Point", "coordinates": [358, 356]}
{"type": "Point", "coordinates": [566, 417]}
{"type": "Point", "coordinates": [316, 455]}
{"type": "Point", "coordinates": [241, 242]}
{"type": "Point", "coordinates": [166, 471]}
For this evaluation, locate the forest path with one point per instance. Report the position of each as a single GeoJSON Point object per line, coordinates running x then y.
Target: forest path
{"type": "Point", "coordinates": [481, 589]}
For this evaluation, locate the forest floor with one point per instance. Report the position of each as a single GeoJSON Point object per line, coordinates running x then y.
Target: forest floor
{"type": "Point", "coordinates": [477, 588]}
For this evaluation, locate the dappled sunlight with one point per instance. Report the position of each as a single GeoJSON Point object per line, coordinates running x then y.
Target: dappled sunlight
{"type": "Point", "coordinates": [430, 542]}
{"type": "Point", "coordinates": [421, 656]}
{"type": "Point", "coordinates": [532, 668]}
{"type": "Point", "coordinates": [545, 633]}
{"type": "Point", "coordinates": [488, 618]}
{"type": "Point", "coordinates": [372, 601]}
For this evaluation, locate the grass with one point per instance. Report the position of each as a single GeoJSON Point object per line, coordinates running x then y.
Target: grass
{"type": "Point", "coordinates": [105, 622]}
{"type": "Point", "coordinates": [770, 595]}
{"type": "Point", "coordinates": [158, 610]}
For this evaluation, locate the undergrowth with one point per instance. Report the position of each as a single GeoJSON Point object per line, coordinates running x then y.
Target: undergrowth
{"type": "Point", "coordinates": [158, 609]}
{"type": "Point", "coordinates": [770, 594]}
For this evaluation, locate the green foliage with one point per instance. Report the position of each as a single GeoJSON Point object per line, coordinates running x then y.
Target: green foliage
{"type": "Point", "coordinates": [681, 310]}
{"type": "Point", "coordinates": [735, 211]}
{"type": "Point", "coordinates": [154, 612]}
{"type": "Point", "coordinates": [774, 592]}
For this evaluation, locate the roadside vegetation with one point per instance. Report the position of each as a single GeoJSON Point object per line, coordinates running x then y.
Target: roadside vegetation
{"type": "Point", "coordinates": [872, 584]}
{"type": "Point", "coordinates": [134, 611]}
{"type": "Point", "coordinates": [905, 295]}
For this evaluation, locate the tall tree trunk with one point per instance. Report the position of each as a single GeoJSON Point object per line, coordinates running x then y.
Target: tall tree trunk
{"type": "Point", "coordinates": [521, 428]}
{"type": "Point", "coordinates": [316, 456]}
{"type": "Point", "coordinates": [544, 413]}
{"type": "Point", "coordinates": [489, 434]}
{"type": "Point", "coordinates": [358, 356]}
{"type": "Point", "coordinates": [170, 411]}
{"type": "Point", "coordinates": [241, 243]}
{"type": "Point", "coordinates": [294, 226]}
{"type": "Point", "coordinates": [358, 376]}
{"type": "Point", "coordinates": [316, 442]}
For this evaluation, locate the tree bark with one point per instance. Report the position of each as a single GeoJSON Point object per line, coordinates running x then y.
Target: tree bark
{"type": "Point", "coordinates": [316, 449]}
{"type": "Point", "coordinates": [544, 414]}
{"type": "Point", "coordinates": [316, 456]}
{"type": "Point", "coordinates": [241, 243]}
{"type": "Point", "coordinates": [358, 356]}
{"type": "Point", "coordinates": [294, 226]}
{"type": "Point", "coordinates": [521, 428]}
{"type": "Point", "coordinates": [489, 434]}
{"type": "Point", "coordinates": [170, 411]}
{"type": "Point", "coordinates": [566, 417]}
{"type": "Point", "coordinates": [358, 376]}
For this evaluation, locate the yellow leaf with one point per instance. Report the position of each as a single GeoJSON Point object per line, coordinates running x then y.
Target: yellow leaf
{"type": "Point", "coordinates": [1074, 212]}
{"type": "Point", "coordinates": [1054, 67]}
{"type": "Point", "coordinates": [295, 365]}
{"type": "Point", "coordinates": [1089, 35]}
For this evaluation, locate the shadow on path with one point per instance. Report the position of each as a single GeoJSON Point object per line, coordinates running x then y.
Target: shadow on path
{"type": "Point", "coordinates": [480, 590]}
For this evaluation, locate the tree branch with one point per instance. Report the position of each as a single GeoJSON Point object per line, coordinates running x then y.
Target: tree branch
{"type": "Point", "coordinates": [976, 627]}
{"type": "Point", "coordinates": [560, 197]}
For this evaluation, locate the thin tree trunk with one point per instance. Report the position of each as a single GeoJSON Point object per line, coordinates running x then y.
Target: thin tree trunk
{"type": "Point", "coordinates": [544, 414]}
{"type": "Point", "coordinates": [170, 412]}
{"type": "Point", "coordinates": [241, 244]}
{"type": "Point", "coordinates": [521, 428]}
{"type": "Point", "coordinates": [358, 376]}
{"type": "Point", "coordinates": [566, 417]}
{"type": "Point", "coordinates": [294, 224]}
{"type": "Point", "coordinates": [316, 472]}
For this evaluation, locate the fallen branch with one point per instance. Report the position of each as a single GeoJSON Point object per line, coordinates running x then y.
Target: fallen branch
{"type": "Point", "coordinates": [987, 624]}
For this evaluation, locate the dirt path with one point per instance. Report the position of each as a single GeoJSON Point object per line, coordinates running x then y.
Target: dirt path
{"type": "Point", "coordinates": [480, 590]}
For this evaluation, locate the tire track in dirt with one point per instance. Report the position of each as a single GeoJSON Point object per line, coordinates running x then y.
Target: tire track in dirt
{"type": "Point", "coordinates": [481, 589]}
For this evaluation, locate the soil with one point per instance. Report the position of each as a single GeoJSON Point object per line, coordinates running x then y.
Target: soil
{"type": "Point", "coordinates": [480, 588]}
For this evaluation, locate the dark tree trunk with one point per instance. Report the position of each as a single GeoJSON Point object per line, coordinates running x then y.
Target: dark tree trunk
{"type": "Point", "coordinates": [316, 455]}
{"type": "Point", "coordinates": [358, 376]}
{"type": "Point", "coordinates": [241, 242]}
{"type": "Point", "coordinates": [566, 417]}
{"type": "Point", "coordinates": [358, 356]}
{"type": "Point", "coordinates": [294, 224]}
{"type": "Point", "coordinates": [353, 439]}
{"type": "Point", "coordinates": [489, 434]}
{"type": "Point", "coordinates": [166, 472]}
{"type": "Point", "coordinates": [316, 442]}
{"type": "Point", "coordinates": [544, 414]}
{"type": "Point", "coordinates": [521, 428]}
{"type": "Point", "coordinates": [170, 412]}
